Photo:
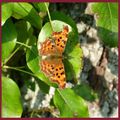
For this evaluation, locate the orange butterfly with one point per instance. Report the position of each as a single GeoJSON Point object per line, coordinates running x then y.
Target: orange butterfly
{"type": "Point", "coordinates": [52, 66]}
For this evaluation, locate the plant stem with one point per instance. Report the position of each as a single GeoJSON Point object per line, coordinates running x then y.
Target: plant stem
{"type": "Point", "coordinates": [49, 16]}
{"type": "Point", "coordinates": [11, 55]}
{"type": "Point", "coordinates": [20, 67]}
{"type": "Point", "coordinates": [15, 68]}
{"type": "Point", "coordinates": [23, 44]}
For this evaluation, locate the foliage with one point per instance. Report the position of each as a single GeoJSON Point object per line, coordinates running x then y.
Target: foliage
{"type": "Point", "coordinates": [11, 102]}
{"type": "Point", "coordinates": [73, 106]}
{"type": "Point", "coordinates": [107, 22]}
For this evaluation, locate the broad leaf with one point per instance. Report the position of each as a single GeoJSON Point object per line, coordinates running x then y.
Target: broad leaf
{"type": "Point", "coordinates": [9, 37]}
{"type": "Point", "coordinates": [85, 92]}
{"type": "Point", "coordinates": [6, 11]}
{"type": "Point", "coordinates": [76, 60]}
{"type": "Point", "coordinates": [32, 59]}
{"type": "Point", "coordinates": [40, 6]}
{"type": "Point", "coordinates": [107, 22]}
{"type": "Point", "coordinates": [11, 99]}
{"type": "Point", "coordinates": [47, 30]}
{"type": "Point", "coordinates": [70, 104]}
{"type": "Point", "coordinates": [64, 18]}
{"type": "Point", "coordinates": [25, 32]}
{"type": "Point", "coordinates": [27, 11]}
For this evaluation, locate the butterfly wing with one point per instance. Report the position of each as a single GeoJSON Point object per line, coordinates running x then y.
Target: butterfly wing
{"type": "Point", "coordinates": [61, 39]}
{"type": "Point", "coordinates": [47, 48]}
{"type": "Point", "coordinates": [56, 45]}
{"type": "Point", "coordinates": [54, 69]}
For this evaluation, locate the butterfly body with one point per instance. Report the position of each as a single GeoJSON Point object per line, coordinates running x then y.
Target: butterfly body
{"type": "Point", "coordinates": [53, 48]}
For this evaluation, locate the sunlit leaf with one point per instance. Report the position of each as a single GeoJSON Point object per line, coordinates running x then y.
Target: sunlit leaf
{"type": "Point", "coordinates": [11, 99]}
{"type": "Point", "coordinates": [40, 6]}
{"type": "Point", "coordinates": [9, 37]}
{"type": "Point", "coordinates": [107, 22]}
{"type": "Point", "coordinates": [28, 12]}
{"type": "Point", "coordinates": [6, 11]}
{"type": "Point", "coordinates": [70, 104]}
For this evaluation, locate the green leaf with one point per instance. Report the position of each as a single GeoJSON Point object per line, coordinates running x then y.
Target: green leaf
{"type": "Point", "coordinates": [76, 61]}
{"type": "Point", "coordinates": [43, 86]}
{"type": "Point", "coordinates": [41, 6]}
{"type": "Point", "coordinates": [6, 11]}
{"type": "Point", "coordinates": [11, 99]}
{"type": "Point", "coordinates": [64, 18]}
{"type": "Point", "coordinates": [27, 11]}
{"type": "Point", "coordinates": [70, 104]}
{"type": "Point", "coordinates": [25, 32]}
{"type": "Point", "coordinates": [107, 22]}
{"type": "Point", "coordinates": [32, 59]}
{"type": "Point", "coordinates": [46, 30]}
{"type": "Point", "coordinates": [9, 37]}
{"type": "Point", "coordinates": [22, 28]}
{"type": "Point", "coordinates": [88, 93]}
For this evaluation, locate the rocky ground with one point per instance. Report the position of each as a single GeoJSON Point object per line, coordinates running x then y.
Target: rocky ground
{"type": "Point", "coordinates": [101, 63]}
{"type": "Point", "coordinates": [100, 70]}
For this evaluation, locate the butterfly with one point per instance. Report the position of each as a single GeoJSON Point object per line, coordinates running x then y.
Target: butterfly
{"type": "Point", "coordinates": [53, 48]}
